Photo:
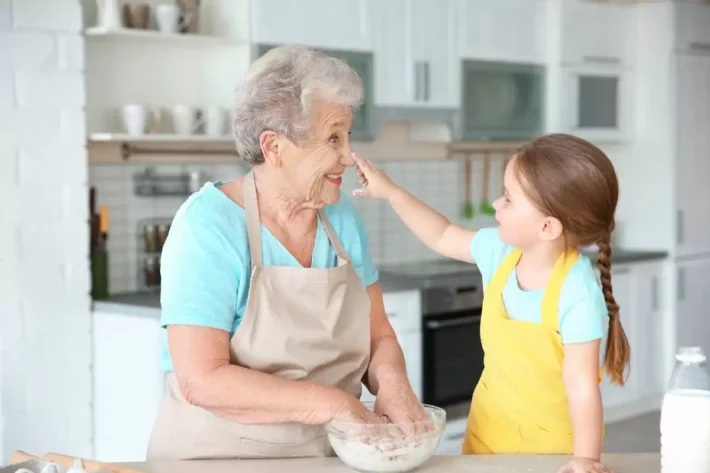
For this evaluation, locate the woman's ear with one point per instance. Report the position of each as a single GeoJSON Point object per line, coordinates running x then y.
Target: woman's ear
{"type": "Point", "coordinates": [551, 229]}
{"type": "Point", "coordinates": [271, 147]}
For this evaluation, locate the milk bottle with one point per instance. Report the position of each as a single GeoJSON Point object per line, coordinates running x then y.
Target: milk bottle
{"type": "Point", "coordinates": [685, 416]}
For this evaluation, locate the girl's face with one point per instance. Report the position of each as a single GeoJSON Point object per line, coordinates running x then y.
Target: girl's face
{"type": "Point", "coordinates": [520, 222]}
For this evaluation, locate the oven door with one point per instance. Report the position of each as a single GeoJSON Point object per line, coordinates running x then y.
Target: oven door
{"type": "Point", "coordinates": [452, 357]}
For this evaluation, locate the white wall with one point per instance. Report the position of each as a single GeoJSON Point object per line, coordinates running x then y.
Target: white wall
{"type": "Point", "coordinates": [45, 389]}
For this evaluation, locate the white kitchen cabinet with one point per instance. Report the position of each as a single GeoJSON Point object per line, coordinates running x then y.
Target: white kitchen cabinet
{"type": "Point", "coordinates": [693, 296]}
{"type": "Point", "coordinates": [128, 384]}
{"type": "Point", "coordinates": [415, 57]}
{"type": "Point", "coordinates": [502, 30]}
{"type": "Point", "coordinates": [330, 24]}
{"type": "Point", "coordinates": [596, 33]}
{"type": "Point", "coordinates": [404, 312]}
{"type": "Point", "coordinates": [692, 72]}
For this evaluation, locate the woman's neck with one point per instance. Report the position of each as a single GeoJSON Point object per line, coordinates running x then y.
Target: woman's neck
{"type": "Point", "coordinates": [277, 206]}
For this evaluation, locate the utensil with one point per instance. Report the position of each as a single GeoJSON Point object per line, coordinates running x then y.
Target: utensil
{"type": "Point", "coordinates": [386, 447]}
{"type": "Point", "coordinates": [467, 204]}
{"type": "Point", "coordinates": [485, 206]}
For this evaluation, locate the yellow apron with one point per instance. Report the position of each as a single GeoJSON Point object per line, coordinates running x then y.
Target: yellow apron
{"type": "Point", "coordinates": [520, 403]}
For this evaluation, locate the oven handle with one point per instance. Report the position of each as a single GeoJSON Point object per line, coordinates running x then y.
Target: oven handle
{"type": "Point", "coordinates": [437, 324]}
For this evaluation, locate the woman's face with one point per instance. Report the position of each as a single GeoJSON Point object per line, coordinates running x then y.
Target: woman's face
{"type": "Point", "coordinates": [315, 167]}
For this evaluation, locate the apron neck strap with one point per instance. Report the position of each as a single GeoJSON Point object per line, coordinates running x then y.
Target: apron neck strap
{"type": "Point", "coordinates": [333, 237]}
{"type": "Point", "coordinates": [553, 289]}
{"type": "Point", "coordinates": [251, 207]}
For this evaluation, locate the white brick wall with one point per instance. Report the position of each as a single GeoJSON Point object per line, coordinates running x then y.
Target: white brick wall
{"type": "Point", "coordinates": [45, 342]}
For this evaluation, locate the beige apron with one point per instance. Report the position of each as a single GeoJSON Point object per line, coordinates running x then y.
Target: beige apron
{"type": "Point", "coordinates": [308, 324]}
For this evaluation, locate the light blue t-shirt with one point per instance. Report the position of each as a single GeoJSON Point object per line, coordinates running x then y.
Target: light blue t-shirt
{"type": "Point", "coordinates": [582, 305]}
{"type": "Point", "coordinates": [206, 264]}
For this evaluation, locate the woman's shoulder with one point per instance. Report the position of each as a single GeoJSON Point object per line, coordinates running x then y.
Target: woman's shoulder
{"type": "Point", "coordinates": [208, 218]}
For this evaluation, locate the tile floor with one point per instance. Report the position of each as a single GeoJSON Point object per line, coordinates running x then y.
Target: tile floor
{"type": "Point", "coordinates": [640, 434]}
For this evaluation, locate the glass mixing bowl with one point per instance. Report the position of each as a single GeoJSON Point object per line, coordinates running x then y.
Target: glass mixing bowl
{"type": "Point", "coordinates": [387, 447]}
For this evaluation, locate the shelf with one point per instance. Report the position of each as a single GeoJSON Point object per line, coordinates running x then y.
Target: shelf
{"type": "Point", "coordinates": [157, 36]}
{"type": "Point", "coordinates": [157, 138]}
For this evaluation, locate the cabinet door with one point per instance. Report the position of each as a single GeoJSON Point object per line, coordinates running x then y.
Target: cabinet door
{"type": "Point", "coordinates": [693, 154]}
{"type": "Point", "coordinates": [333, 24]}
{"type": "Point", "coordinates": [434, 53]}
{"type": "Point", "coordinates": [596, 33]}
{"type": "Point", "coordinates": [128, 384]}
{"type": "Point", "coordinates": [392, 38]}
{"type": "Point", "coordinates": [693, 293]}
{"type": "Point", "coordinates": [362, 63]}
{"type": "Point", "coordinates": [502, 30]}
{"type": "Point", "coordinates": [648, 352]}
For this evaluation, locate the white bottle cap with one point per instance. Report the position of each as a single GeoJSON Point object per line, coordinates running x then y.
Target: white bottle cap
{"type": "Point", "coordinates": [691, 355]}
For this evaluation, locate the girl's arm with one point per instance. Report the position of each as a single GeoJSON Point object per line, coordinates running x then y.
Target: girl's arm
{"type": "Point", "coordinates": [432, 228]}
{"type": "Point", "coordinates": [581, 377]}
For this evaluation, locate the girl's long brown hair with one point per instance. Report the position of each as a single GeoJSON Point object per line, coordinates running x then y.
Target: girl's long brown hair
{"type": "Point", "coordinates": [573, 181]}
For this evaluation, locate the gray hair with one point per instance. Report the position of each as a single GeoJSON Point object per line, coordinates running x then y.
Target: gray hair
{"type": "Point", "coordinates": [278, 91]}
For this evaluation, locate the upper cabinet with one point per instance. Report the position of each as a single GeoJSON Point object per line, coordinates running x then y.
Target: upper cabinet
{"type": "Point", "coordinates": [332, 24]}
{"type": "Point", "coordinates": [591, 69]}
{"type": "Point", "coordinates": [502, 30]}
{"type": "Point", "coordinates": [596, 33]}
{"type": "Point", "coordinates": [416, 65]}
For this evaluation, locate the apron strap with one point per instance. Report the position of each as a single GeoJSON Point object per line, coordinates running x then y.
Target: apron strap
{"type": "Point", "coordinates": [501, 275]}
{"type": "Point", "coordinates": [251, 206]}
{"type": "Point", "coordinates": [334, 240]}
{"type": "Point", "coordinates": [551, 296]}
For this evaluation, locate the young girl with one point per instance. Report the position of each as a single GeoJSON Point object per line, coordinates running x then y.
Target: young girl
{"type": "Point", "coordinates": [544, 308]}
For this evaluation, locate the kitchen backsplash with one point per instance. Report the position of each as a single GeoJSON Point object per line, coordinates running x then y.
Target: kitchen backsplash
{"type": "Point", "coordinates": [438, 183]}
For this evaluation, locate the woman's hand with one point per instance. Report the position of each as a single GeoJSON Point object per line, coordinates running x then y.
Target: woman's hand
{"type": "Point", "coordinates": [374, 182]}
{"type": "Point", "coordinates": [584, 465]}
{"type": "Point", "coordinates": [352, 410]}
{"type": "Point", "coordinates": [396, 400]}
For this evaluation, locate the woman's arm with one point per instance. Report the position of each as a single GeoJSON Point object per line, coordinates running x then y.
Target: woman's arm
{"type": "Point", "coordinates": [432, 228]}
{"type": "Point", "coordinates": [581, 377]}
{"type": "Point", "coordinates": [200, 358]}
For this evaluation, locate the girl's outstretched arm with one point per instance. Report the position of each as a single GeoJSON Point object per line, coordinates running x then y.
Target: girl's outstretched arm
{"type": "Point", "coordinates": [432, 228]}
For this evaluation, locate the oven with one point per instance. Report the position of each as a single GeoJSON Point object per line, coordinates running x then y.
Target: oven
{"type": "Point", "coordinates": [452, 354]}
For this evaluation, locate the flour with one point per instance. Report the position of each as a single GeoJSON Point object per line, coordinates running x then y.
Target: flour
{"type": "Point", "coordinates": [384, 455]}
{"type": "Point", "coordinates": [685, 432]}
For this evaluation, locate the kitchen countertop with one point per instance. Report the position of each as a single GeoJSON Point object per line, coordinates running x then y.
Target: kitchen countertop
{"type": "Point", "coordinates": [621, 463]}
{"type": "Point", "coordinates": [148, 304]}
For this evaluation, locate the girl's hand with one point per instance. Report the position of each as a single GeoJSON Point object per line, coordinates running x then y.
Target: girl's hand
{"type": "Point", "coordinates": [584, 465]}
{"type": "Point", "coordinates": [374, 182]}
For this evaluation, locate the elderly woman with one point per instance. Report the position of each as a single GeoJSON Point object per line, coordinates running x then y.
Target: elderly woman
{"type": "Point", "coordinates": [270, 297]}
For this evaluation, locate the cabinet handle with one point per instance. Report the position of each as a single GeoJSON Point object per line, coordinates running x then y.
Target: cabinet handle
{"type": "Point", "coordinates": [700, 46]}
{"type": "Point", "coordinates": [620, 271]}
{"type": "Point", "coordinates": [437, 324]}
{"type": "Point", "coordinates": [681, 284]}
{"type": "Point", "coordinates": [391, 315]}
{"type": "Point", "coordinates": [419, 81]}
{"type": "Point", "coordinates": [602, 59]}
{"type": "Point", "coordinates": [654, 291]}
{"type": "Point", "coordinates": [679, 227]}
{"type": "Point", "coordinates": [455, 436]}
{"type": "Point", "coordinates": [427, 90]}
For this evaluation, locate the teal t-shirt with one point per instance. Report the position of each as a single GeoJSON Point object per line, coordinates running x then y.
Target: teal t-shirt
{"type": "Point", "coordinates": [206, 264]}
{"type": "Point", "coordinates": [582, 305]}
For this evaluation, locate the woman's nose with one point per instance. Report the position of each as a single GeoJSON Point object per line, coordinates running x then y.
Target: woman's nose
{"type": "Point", "coordinates": [346, 157]}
